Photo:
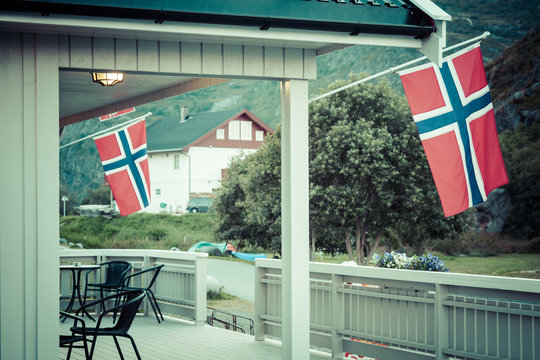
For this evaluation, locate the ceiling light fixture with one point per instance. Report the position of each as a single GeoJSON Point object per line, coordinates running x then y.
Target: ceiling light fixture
{"type": "Point", "coordinates": [108, 79]}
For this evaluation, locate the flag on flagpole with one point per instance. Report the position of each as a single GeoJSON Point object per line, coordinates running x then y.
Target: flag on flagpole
{"type": "Point", "coordinates": [453, 112]}
{"type": "Point", "coordinates": [116, 114]}
{"type": "Point", "coordinates": [124, 159]}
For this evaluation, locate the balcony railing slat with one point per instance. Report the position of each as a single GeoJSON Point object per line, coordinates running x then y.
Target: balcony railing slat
{"type": "Point", "coordinates": [177, 287]}
{"type": "Point", "coordinates": [418, 314]}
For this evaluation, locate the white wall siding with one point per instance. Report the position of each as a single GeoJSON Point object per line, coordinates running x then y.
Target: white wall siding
{"type": "Point", "coordinates": [172, 183]}
{"type": "Point", "coordinates": [206, 166]}
{"type": "Point", "coordinates": [29, 191]}
{"type": "Point", "coordinates": [81, 52]}
{"type": "Point", "coordinates": [175, 185]}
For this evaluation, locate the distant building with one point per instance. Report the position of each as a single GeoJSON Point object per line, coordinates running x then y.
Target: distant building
{"type": "Point", "coordinates": [189, 155]}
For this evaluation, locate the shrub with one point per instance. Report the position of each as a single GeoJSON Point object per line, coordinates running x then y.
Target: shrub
{"type": "Point", "coordinates": [156, 233]}
{"type": "Point", "coordinates": [397, 260]}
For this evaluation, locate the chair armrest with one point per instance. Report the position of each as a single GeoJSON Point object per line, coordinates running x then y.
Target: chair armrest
{"type": "Point", "coordinates": [75, 318]}
{"type": "Point", "coordinates": [88, 273]}
{"type": "Point", "coordinates": [95, 302]}
{"type": "Point", "coordinates": [127, 278]}
{"type": "Point", "coordinates": [118, 307]}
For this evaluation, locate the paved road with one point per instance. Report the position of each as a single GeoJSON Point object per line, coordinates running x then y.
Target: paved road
{"type": "Point", "coordinates": [237, 278]}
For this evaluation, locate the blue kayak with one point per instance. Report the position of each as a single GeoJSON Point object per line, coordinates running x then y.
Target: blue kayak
{"type": "Point", "coordinates": [248, 257]}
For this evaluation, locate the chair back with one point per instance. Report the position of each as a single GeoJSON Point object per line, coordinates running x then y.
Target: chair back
{"type": "Point", "coordinates": [128, 309]}
{"type": "Point", "coordinates": [116, 271]}
{"type": "Point", "coordinates": [155, 269]}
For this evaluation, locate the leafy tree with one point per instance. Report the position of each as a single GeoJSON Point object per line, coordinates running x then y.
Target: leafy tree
{"type": "Point", "coordinates": [230, 220]}
{"type": "Point", "coordinates": [262, 189]}
{"type": "Point", "coordinates": [248, 205]}
{"type": "Point", "coordinates": [521, 149]}
{"type": "Point", "coordinates": [369, 180]}
{"type": "Point", "coordinates": [369, 173]}
{"type": "Point", "coordinates": [98, 196]}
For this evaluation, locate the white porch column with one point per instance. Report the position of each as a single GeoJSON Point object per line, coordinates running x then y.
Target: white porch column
{"type": "Point", "coordinates": [295, 219]}
{"type": "Point", "coordinates": [29, 206]}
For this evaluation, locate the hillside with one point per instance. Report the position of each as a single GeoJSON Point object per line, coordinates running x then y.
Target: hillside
{"type": "Point", "coordinates": [508, 21]}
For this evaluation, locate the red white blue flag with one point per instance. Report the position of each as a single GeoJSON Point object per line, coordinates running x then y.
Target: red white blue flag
{"type": "Point", "coordinates": [124, 159]}
{"type": "Point", "coordinates": [453, 112]}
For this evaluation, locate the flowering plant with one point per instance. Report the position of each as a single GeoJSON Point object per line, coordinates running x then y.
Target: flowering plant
{"type": "Point", "coordinates": [397, 260]}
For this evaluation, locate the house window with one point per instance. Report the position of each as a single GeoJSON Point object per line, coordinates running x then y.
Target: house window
{"type": "Point", "coordinates": [234, 130]}
{"type": "Point", "coordinates": [245, 131]}
{"type": "Point", "coordinates": [259, 135]}
{"type": "Point", "coordinates": [176, 161]}
{"type": "Point", "coordinates": [240, 130]}
{"type": "Point", "coordinates": [220, 134]}
{"type": "Point", "coordinates": [158, 191]}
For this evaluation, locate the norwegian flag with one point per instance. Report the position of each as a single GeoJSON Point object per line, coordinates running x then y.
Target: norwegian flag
{"type": "Point", "coordinates": [452, 109]}
{"type": "Point", "coordinates": [124, 159]}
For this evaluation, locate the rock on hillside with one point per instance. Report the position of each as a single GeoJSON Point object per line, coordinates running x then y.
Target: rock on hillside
{"type": "Point", "coordinates": [514, 79]}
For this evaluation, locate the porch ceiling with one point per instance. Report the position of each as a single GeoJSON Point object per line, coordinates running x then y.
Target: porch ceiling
{"type": "Point", "coordinates": [81, 99]}
{"type": "Point", "coordinates": [79, 94]}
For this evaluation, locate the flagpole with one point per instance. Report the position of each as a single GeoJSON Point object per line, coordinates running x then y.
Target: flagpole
{"type": "Point", "coordinates": [106, 130]}
{"type": "Point", "coordinates": [395, 68]}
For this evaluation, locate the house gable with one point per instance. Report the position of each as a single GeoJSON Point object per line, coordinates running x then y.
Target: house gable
{"type": "Point", "coordinates": [221, 136]}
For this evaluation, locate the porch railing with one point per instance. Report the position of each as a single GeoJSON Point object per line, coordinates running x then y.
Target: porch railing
{"type": "Point", "coordinates": [406, 314]}
{"type": "Point", "coordinates": [180, 287]}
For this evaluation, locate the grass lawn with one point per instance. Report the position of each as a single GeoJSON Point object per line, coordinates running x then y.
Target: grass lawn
{"type": "Point", "coordinates": [513, 265]}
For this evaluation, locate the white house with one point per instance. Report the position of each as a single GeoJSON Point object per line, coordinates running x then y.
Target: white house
{"type": "Point", "coordinates": [190, 154]}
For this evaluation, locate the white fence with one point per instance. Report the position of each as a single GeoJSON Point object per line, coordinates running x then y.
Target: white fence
{"type": "Point", "coordinates": [406, 314]}
{"type": "Point", "coordinates": [180, 287]}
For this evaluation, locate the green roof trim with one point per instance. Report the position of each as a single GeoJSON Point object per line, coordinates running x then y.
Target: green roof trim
{"type": "Point", "coordinates": [388, 17]}
{"type": "Point", "coordinates": [172, 134]}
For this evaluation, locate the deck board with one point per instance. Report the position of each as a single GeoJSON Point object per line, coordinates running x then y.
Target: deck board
{"type": "Point", "coordinates": [178, 339]}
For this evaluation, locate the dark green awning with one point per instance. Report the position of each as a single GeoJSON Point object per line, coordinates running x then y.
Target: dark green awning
{"type": "Point", "coordinates": [389, 17]}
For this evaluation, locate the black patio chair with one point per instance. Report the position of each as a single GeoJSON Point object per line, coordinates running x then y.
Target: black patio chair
{"type": "Point", "coordinates": [115, 272]}
{"type": "Point", "coordinates": [147, 289]}
{"type": "Point", "coordinates": [74, 340]}
{"type": "Point", "coordinates": [130, 302]}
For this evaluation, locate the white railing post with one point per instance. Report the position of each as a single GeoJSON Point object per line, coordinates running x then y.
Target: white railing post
{"type": "Point", "coordinates": [336, 320]}
{"type": "Point", "coordinates": [200, 291]}
{"type": "Point", "coordinates": [441, 321]}
{"type": "Point", "coordinates": [260, 302]}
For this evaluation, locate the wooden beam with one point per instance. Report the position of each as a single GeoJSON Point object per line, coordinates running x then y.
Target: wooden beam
{"type": "Point", "coordinates": [173, 90]}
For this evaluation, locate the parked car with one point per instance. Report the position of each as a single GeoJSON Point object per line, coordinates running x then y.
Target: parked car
{"type": "Point", "coordinates": [199, 204]}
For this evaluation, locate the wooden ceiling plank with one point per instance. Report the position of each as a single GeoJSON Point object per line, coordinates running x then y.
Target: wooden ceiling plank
{"type": "Point", "coordinates": [173, 90]}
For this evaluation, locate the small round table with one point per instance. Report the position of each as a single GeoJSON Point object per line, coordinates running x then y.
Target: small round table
{"type": "Point", "coordinates": [76, 271]}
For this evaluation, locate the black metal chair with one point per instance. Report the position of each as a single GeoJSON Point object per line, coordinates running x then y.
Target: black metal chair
{"type": "Point", "coordinates": [130, 302]}
{"type": "Point", "coordinates": [147, 289]}
{"type": "Point", "coordinates": [75, 340]}
{"type": "Point", "coordinates": [115, 272]}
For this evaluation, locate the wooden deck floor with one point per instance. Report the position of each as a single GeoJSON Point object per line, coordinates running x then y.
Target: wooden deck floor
{"type": "Point", "coordinates": [177, 339]}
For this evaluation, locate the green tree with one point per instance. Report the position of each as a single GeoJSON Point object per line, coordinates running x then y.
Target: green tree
{"type": "Point", "coordinates": [369, 171]}
{"type": "Point", "coordinates": [230, 220]}
{"type": "Point", "coordinates": [369, 180]}
{"type": "Point", "coordinates": [249, 200]}
{"type": "Point", "coordinates": [98, 196]}
{"type": "Point", "coordinates": [521, 149]}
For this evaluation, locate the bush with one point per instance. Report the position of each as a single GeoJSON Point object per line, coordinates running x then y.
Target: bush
{"type": "Point", "coordinates": [477, 244]}
{"type": "Point", "coordinates": [156, 233]}
{"type": "Point", "coordinates": [397, 260]}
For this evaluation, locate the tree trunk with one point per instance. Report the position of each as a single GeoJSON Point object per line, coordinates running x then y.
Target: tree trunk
{"type": "Point", "coordinates": [360, 242]}
{"type": "Point", "coordinates": [375, 245]}
{"type": "Point", "coordinates": [348, 244]}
